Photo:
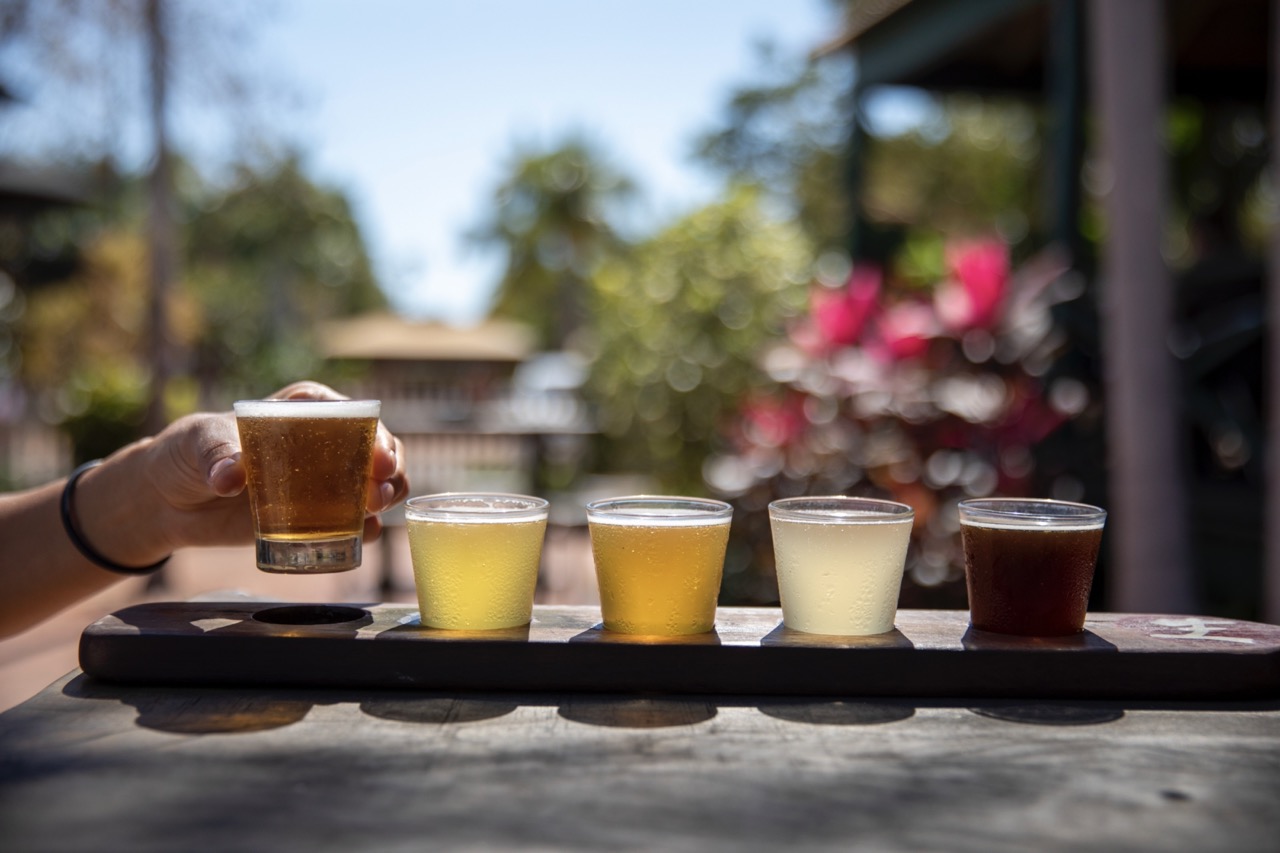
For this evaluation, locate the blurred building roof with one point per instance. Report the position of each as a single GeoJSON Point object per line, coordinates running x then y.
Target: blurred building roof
{"type": "Point", "coordinates": [383, 336]}
{"type": "Point", "coordinates": [1216, 50]}
{"type": "Point", "coordinates": [25, 189]}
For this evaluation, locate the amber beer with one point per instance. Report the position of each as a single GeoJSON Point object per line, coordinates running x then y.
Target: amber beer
{"type": "Point", "coordinates": [475, 558]}
{"type": "Point", "coordinates": [308, 464]}
{"type": "Point", "coordinates": [1029, 564]}
{"type": "Point", "coordinates": [659, 562]}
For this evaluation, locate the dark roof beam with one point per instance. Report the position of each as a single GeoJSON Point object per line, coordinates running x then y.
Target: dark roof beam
{"type": "Point", "coordinates": [921, 34]}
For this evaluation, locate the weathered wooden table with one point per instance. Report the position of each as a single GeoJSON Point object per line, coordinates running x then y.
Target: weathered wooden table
{"type": "Point", "coordinates": [240, 762]}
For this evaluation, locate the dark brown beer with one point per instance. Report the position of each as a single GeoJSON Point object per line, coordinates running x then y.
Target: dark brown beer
{"type": "Point", "coordinates": [1031, 581]}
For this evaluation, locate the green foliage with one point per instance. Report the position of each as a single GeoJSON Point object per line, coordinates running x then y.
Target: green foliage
{"type": "Point", "coordinates": [679, 324]}
{"type": "Point", "coordinates": [1220, 200]}
{"type": "Point", "coordinates": [105, 406]}
{"type": "Point", "coordinates": [80, 339]}
{"type": "Point", "coordinates": [267, 261]}
{"type": "Point", "coordinates": [787, 132]}
{"type": "Point", "coordinates": [551, 218]}
{"type": "Point", "coordinates": [973, 169]}
{"type": "Point", "coordinates": [673, 325]}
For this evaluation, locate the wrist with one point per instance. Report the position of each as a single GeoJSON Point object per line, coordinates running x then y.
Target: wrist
{"type": "Point", "coordinates": [118, 514]}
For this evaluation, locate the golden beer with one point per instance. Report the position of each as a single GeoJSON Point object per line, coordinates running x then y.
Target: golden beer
{"type": "Point", "coordinates": [659, 562]}
{"type": "Point", "coordinates": [308, 464]}
{"type": "Point", "coordinates": [475, 558]}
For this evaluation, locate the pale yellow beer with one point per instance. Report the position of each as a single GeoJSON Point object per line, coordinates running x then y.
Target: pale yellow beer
{"type": "Point", "coordinates": [840, 562]}
{"type": "Point", "coordinates": [307, 464]}
{"type": "Point", "coordinates": [659, 562]}
{"type": "Point", "coordinates": [475, 558]}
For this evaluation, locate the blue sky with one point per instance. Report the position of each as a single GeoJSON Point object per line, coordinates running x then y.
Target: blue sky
{"type": "Point", "coordinates": [413, 108]}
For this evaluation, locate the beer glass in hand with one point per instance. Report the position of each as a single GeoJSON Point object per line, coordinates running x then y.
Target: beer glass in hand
{"type": "Point", "coordinates": [308, 463]}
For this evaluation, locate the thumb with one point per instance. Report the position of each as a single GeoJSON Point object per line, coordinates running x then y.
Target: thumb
{"type": "Point", "coordinates": [209, 445]}
{"type": "Point", "coordinates": [227, 476]}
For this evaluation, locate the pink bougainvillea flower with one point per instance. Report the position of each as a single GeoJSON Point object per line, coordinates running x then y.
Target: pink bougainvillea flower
{"type": "Point", "coordinates": [1029, 418]}
{"type": "Point", "coordinates": [773, 422]}
{"type": "Point", "coordinates": [839, 316]}
{"type": "Point", "coordinates": [903, 331]}
{"type": "Point", "coordinates": [974, 294]}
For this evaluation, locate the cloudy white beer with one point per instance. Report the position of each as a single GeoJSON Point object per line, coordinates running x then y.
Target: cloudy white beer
{"type": "Point", "coordinates": [840, 562]}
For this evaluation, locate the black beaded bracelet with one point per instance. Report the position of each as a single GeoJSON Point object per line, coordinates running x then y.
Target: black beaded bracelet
{"type": "Point", "coordinates": [72, 527]}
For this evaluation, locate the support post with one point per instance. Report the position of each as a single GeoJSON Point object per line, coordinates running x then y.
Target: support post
{"type": "Point", "coordinates": [1149, 534]}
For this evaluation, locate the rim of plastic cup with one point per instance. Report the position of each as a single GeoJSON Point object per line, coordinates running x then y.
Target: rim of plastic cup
{"type": "Point", "coordinates": [475, 507]}
{"type": "Point", "coordinates": [660, 509]}
{"type": "Point", "coordinates": [841, 509]}
{"type": "Point", "coordinates": [307, 408]}
{"type": "Point", "coordinates": [1030, 513]}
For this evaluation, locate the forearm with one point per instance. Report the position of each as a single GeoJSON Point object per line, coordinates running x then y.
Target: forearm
{"type": "Point", "coordinates": [42, 572]}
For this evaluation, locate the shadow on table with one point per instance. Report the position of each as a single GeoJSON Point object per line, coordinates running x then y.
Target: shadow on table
{"type": "Point", "coordinates": [598, 633]}
{"type": "Point", "coordinates": [198, 711]}
{"type": "Point", "coordinates": [827, 712]}
{"type": "Point", "coordinates": [784, 636]}
{"type": "Point", "coordinates": [1085, 641]}
{"type": "Point", "coordinates": [1056, 713]}
{"type": "Point", "coordinates": [637, 712]}
{"type": "Point", "coordinates": [437, 710]}
{"type": "Point", "coordinates": [1051, 714]}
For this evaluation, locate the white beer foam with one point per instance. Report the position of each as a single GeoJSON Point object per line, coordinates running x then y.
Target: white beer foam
{"type": "Point", "coordinates": [436, 516]}
{"type": "Point", "coordinates": [658, 518]}
{"type": "Point", "coordinates": [308, 408]}
{"type": "Point", "coordinates": [835, 516]}
{"type": "Point", "coordinates": [476, 508]}
{"type": "Point", "coordinates": [1032, 524]}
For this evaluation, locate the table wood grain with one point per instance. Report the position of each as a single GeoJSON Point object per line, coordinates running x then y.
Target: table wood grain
{"type": "Point", "coordinates": [92, 766]}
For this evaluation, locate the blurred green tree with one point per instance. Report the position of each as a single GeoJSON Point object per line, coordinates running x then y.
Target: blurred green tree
{"type": "Point", "coordinates": [74, 57]}
{"type": "Point", "coordinates": [787, 133]}
{"type": "Point", "coordinates": [678, 325]}
{"type": "Point", "coordinates": [266, 257]}
{"type": "Point", "coordinates": [971, 167]}
{"type": "Point", "coordinates": [552, 218]}
{"type": "Point", "coordinates": [672, 325]}
{"type": "Point", "coordinates": [961, 166]}
{"type": "Point", "coordinates": [79, 340]}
